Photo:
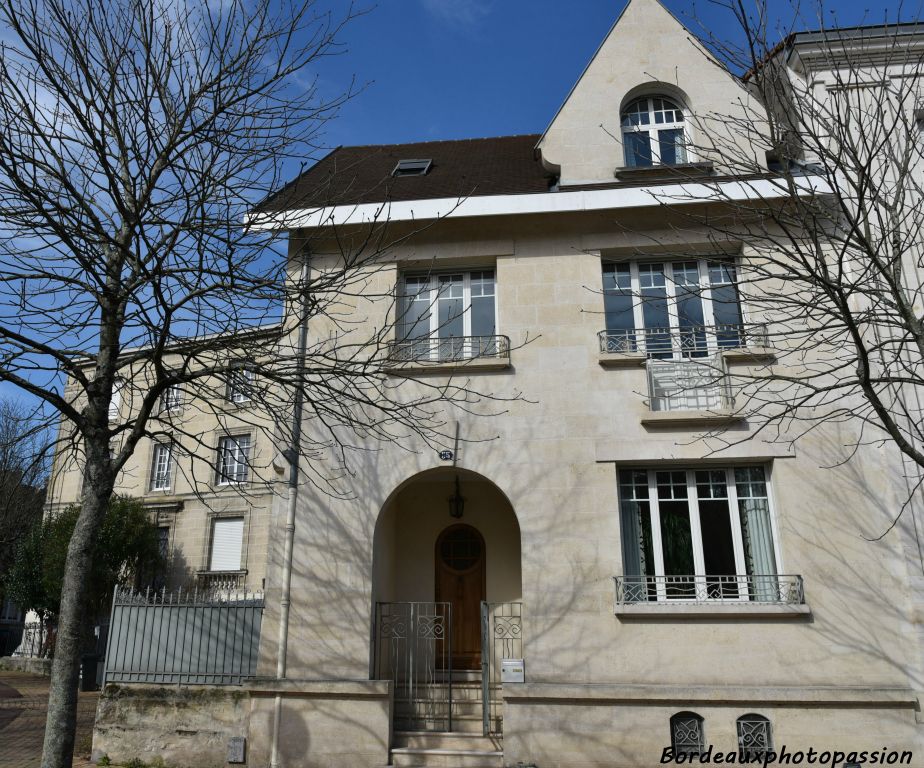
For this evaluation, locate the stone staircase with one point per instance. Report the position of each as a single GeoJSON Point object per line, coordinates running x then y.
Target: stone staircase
{"type": "Point", "coordinates": [426, 708]}
{"type": "Point", "coordinates": [447, 750]}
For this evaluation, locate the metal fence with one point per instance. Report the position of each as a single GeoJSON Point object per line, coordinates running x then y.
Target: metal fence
{"type": "Point", "coordinates": [413, 650]}
{"type": "Point", "coordinates": [689, 385]}
{"type": "Point", "coordinates": [761, 588]}
{"type": "Point", "coordinates": [191, 638]}
{"type": "Point", "coordinates": [450, 349]}
{"type": "Point", "coordinates": [688, 341]}
{"type": "Point", "coordinates": [35, 640]}
{"type": "Point", "coordinates": [501, 638]}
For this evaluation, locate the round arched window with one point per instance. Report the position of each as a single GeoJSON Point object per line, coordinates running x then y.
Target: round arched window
{"type": "Point", "coordinates": [653, 132]}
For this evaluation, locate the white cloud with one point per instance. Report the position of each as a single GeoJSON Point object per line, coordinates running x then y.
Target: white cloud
{"type": "Point", "coordinates": [460, 12]}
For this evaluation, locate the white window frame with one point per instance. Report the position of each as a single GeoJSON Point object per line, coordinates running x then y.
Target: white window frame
{"type": "Point", "coordinates": [240, 383]}
{"type": "Point", "coordinates": [221, 478]}
{"type": "Point", "coordinates": [158, 449]}
{"type": "Point", "coordinates": [696, 534]}
{"type": "Point", "coordinates": [216, 520]}
{"type": "Point", "coordinates": [670, 288]}
{"type": "Point", "coordinates": [653, 128]}
{"type": "Point", "coordinates": [433, 291]}
{"type": "Point", "coordinates": [171, 399]}
{"type": "Point", "coordinates": [115, 402]}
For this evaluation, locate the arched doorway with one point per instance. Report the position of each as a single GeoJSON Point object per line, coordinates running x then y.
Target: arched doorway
{"type": "Point", "coordinates": [460, 576]}
{"type": "Point", "coordinates": [442, 571]}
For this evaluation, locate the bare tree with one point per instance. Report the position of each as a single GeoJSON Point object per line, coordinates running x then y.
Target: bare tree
{"type": "Point", "coordinates": [135, 137]}
{"type": "Point", "coordinates": [817, 176]}
{"type": "Point", "coordinates": [23, 471]}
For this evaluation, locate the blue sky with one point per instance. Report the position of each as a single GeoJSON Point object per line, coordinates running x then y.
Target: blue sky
{"type": "Point", "coordinates": [443, 69]}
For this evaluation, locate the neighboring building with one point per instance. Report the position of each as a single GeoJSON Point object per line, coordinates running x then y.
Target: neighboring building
{"type": "Point", "coordinates": [653, 588]}
{"type": "Point", "coordinates": [207, 475]}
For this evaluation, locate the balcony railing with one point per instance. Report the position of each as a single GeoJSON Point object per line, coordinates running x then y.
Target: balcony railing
{"type": "Point", "coordinates": [690, 341]}
{"type": "Point", "coordinates": [765, 589]}
{"type": "Point", "coordinates": [449, 350]}
{"type": "Point", "coordinates": [692, 384]}
{"type": "Point", "coordinates": [220, 581]}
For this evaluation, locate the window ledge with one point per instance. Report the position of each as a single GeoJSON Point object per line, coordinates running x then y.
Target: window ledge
{"type": "Point", "coordinates": [690, 418]}
{"type": "Point", "coordinates": [472, 365]}
{"type": "Point", "coordinates": [749, 355]}
{"type": "Point", "coordinates": [731, 609]}
{"type": "Point", "coordinates": [623, 359]}
{"type": "Point", "coordinates": [651, 172]}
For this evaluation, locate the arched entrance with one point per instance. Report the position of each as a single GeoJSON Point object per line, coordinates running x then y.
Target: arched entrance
{"type": "Point", "coordinates": [446, 560]}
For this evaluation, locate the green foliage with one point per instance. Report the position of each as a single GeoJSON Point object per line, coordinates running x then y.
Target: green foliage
{"type": "Point", "coordinates": [126, 552]}
{"type": "Point", "coordinates": [136, 762]}
{"type": "Point", "coordinates": [104, 761]}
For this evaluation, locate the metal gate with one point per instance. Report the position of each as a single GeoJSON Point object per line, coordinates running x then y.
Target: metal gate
{"type": "Point", "coordinates": [413, 649]}
{"type": "Point", "coordinates": [501, 638]}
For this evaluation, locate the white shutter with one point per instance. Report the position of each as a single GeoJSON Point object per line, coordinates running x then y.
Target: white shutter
{"type": "Point", "coordinates": [227, 542]}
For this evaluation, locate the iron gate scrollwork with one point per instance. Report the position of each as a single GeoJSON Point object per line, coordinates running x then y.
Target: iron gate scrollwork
{"type": "Point", "coordinates": [501, 638]}
{"type": "Point", "coordinates": [413, 649]}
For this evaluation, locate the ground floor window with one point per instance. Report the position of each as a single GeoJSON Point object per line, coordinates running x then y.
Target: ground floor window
{"type": "Point", "coordinates": [701, 534]}
{"type": "Point", "coordinates": [227, 544]}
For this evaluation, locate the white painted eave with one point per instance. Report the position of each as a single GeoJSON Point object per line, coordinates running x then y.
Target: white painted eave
{"type": "Point", "coordinates": [620, 198]}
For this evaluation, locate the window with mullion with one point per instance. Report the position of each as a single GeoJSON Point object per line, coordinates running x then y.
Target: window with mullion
{"type": "Point", "coordinates": [233, 459]}
{"type": "Point", "coordinates": [448, 316]}
{"type": "Point", "coordinates": [705, 534]}
{"type": "Point", "coordinates": [672, 310]}
{"type": "Point", "coordinates": [162, 467]}
{"type": "Point", "coordinates": [653, 133]}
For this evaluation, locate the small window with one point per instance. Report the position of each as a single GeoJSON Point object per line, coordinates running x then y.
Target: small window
{"type": "Point", "coordinates": [687, 735]}
{"type": "Point", "coordinates": [412, 168]}
{"type": "Point", "coordinates": [653, 132]}
{"type": "Point", "coordinates": [240, 383]}
{"type": "Point", "coordinates": [115, 402]}
{"type": "Point", "coordinates": [233, 459]}
{"type": "Point", "coordinates": [755, 737]}
{"type": "Point", "coordinates": [161, 467]}
{"type": "Point", "coordinates": [227, 544]}
{"type": "Point", "coordinates": [163, 541]}
{"type": "Point", "coordinates": [171, 399]}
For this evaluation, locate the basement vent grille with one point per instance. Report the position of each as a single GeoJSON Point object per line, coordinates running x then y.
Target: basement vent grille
{"type": "Point", "coordinates": [412, 168]}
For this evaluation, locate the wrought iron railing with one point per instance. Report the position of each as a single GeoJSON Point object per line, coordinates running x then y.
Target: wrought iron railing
{"type": "Point", "coordinates": [501, 638]}
{"type": "Point", "coordinates": [692, 384]}
{"type": "Point", "coordinates": [689, 341]}
{"type": "Point", "coordinates": [760, 588]}
{"type": "Point", "coordinates": [220, 581]}
{"type": "Point", "coordinates": [183, 638]}
{"type": "Point", "coordinates": [449, 350]}
{"type": "Point", "coordinates": [413, 649]}
{"type": "Point", "coordinates": [36, 640]}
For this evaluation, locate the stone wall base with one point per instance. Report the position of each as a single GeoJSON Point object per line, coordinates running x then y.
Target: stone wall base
{"type": "Point", "coordinates": [329, 724]}
{"type": "Point", "coordinates": [32, 666]}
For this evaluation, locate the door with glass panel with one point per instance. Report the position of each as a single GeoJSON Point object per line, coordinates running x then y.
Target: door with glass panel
{"type": "Point", "coordinates": [448, 316]}
{"type": "Point", "coordinates": [697, 534]}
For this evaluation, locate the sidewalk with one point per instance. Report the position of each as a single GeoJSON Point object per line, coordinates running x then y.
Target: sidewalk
{"type": "Point", "coordinates": [23, 703]}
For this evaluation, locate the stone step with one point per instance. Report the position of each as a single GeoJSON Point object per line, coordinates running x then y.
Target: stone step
{"type": "Point", "coordinates": [460, 723]}
{"type": "Point", "coordinates": [441, 693]}
{"type": "Point", "coordinates": [447, 740]}
{"type": "Point", "coordinates": [409, 757]}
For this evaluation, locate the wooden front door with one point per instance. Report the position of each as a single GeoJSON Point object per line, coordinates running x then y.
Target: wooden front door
{"type": "Point", "coordinates": [460, 560]}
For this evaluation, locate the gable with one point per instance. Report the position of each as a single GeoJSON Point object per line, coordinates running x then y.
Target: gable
{"type": "Point", "coordinates": [647, 52]}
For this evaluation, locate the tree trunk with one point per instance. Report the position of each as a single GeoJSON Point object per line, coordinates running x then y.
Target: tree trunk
{"type": "Point", "coordinates": [61, 723]}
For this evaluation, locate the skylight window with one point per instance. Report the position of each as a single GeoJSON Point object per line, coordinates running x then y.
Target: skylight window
{"type": "Point", "coordinates": [412, 168]}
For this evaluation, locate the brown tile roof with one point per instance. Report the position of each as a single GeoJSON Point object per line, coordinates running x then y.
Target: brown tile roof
{"type": "Point", "coordinates": [463, 168]}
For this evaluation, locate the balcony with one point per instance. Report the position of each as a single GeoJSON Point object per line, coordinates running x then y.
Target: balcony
{"type": "Point", "coordinates": [446, 355]}
{"type": "Point", "coordinates": [752, 594]}
{"type": "Point", "coordinates": [220, 581]}
{"type": "Point", "coordinates": [745, 342]}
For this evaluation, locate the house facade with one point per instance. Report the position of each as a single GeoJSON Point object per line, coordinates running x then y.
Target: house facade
{"type": "Point", "coordinates": [606, 559]}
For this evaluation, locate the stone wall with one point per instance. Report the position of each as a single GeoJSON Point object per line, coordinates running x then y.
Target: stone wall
{"type": "Point", "coordinates": [187, 727]}
{"type": "Point", "coordinates": [21, 664]}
